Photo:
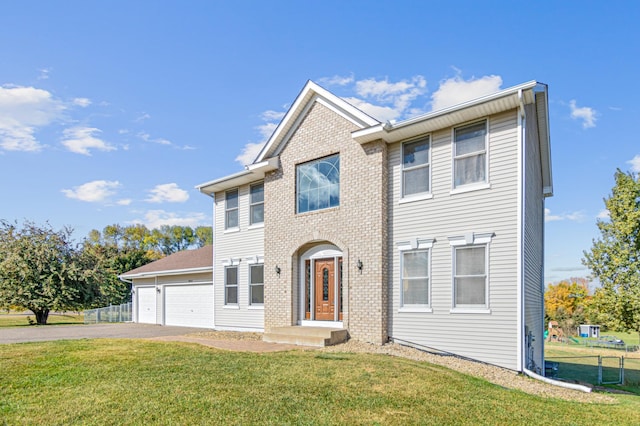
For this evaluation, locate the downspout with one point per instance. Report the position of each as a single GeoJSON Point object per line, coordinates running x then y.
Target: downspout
{"type": "Point", "coordinates": [566, 385]}
{"type": "Point", "coordinates": [133, 306]}
{"type": "Point", "coordinates": [522, 354]}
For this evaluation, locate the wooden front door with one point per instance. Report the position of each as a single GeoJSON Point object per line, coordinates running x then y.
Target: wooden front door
{"type": "Point", "coordinates": [325, 290]}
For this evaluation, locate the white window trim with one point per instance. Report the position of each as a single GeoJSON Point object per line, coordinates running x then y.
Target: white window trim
{"type": "Point", "coordinates": [252, 261]}
{"type": "Point", "coordinates": [471, 239]}
{"type": "Point", "coordinates": [415, 244]}
{"type": "Point", "coordinates": [256, 226]}
{"type": "Point", "coordinates": [475, 185]}
{"type": "Point", "coordinates": [419, 195]}
{"type": "Point", "coordinates": [415, 197]}
{"type": "Point", "coordinates": [253, 225]}
{"type": "Point", "coordinates": [470, 188]}
{"type": "Point", "coordinates": [237, 285]}
{"type": "Point", "coordinates": [226, 210]}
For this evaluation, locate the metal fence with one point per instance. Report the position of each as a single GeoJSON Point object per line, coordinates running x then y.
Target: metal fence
{"type": "Point", "coordinates": [597, 370]}
{"type": "Point", "coordinates": [117, 313]}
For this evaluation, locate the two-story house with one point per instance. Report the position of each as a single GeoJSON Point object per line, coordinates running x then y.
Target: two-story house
{"type": "Point", "coordinates": [428, 232]}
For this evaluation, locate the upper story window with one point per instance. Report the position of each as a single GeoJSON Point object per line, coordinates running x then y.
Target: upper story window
{"type": "Point", "coordinates": [318, 184]}
{"type": "Point", "coordinates": [256, 214]}
{"type": "Point", "coordinates": [231, 209]}
{"type": "Point", "coordinates": [470, 154]}
{"type": "Point", "coordinates": [415, 167]}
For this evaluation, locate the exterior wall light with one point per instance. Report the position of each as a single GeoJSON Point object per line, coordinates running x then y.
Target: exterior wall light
{"type": "Point", "coordinates": [359, 265]}
{"type": "Point", "coordinates": [158, 289]}
{"type": "Point", "coordinates": [278, 270]}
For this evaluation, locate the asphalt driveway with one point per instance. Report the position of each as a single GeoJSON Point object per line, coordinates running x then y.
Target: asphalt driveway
{"type": "Point", "coordinates": [90, 331]}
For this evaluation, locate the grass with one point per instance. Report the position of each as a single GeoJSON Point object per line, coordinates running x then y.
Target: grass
{"type": "Point", "coordinates": [109, 381]}
{"type": "Point", "coordinates": [580, 362]}
{"type": "Point", "coordinates": [13, 319]}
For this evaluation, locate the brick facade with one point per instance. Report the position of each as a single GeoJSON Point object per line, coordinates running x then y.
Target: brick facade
{"type": "Point", "coordinates": [358, 226]}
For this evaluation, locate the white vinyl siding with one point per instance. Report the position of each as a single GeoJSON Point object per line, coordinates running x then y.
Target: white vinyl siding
{"type": "Point", "coordinates": [236, 249]}
{"type": "Point", "coordinates": [470, 154]}
{"type": "Point", "coordinates": [490, 337]}
{"type": "Point", "coordinates": [533, 262]}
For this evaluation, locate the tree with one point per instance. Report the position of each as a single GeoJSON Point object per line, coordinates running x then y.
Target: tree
{"type": "Point", "coordinates": [614, 258]}
{"type": "Point", "coordinates": [41, 270]}
{"type": "Point", "coordinates": [566, 303]}
{"type": "Point", "coordinates": [204, 236]}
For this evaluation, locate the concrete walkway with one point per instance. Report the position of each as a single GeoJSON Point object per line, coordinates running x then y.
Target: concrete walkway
{"type": "Point", "coordinates": [133, 331]}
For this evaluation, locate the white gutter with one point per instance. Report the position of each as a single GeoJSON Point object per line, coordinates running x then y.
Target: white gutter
{"type": "Point", "coordinates": [168, 272]}
{"type": "Point", "coordinates": [547, 380]}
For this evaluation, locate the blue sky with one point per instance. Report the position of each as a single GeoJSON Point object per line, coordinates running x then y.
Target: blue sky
{"type": "Point", "coordinates": [111, 112]}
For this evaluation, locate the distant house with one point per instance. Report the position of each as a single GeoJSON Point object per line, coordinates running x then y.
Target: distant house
{"type": "Point", "coordinates": [174, 290]}
{"type": "Point", "coordinates": [427, 232]}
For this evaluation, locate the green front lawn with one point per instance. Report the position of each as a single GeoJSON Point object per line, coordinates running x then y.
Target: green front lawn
{"type": "Point", "coordinates": [143, 382]}
{"type": "Point", "coordinates": [13, 319]}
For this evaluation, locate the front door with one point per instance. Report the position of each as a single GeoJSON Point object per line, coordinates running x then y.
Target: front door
{"type": "Point", "coordinates": [325, 289]}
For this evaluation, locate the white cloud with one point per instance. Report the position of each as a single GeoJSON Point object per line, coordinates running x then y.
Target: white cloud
{"type": "Point", "coordinates": [82, 102]}
{"type": "Point", "coordinates": [336, 80]}
{"type": "Point", "coordinates": [93, 192]}
{"type": "Point", "coordinates": [635, 163]}
{"type": "Point", "coordinates": [381, 113]}
{"type": "Point", "coordinates": [44, 74]}
{"type": "Point", "coordinates": [576, 216]}
{"type": "Point", "coordinates": [124, 202]}
{"type": "Point", "coordinates": [157, 218]}
{"type": "Point", "coordinates": [385, 100]}
{"type": "Point", "coordinates": [23, 110]}
{"type": "Point", "coordinates": [249, 153]}
{"type": "Point", "coordinates": [271, 115]}
{"type": "Point", "coordinates": [252, 149]}
{"type": "Point", "coordinates": [457, 90]}
{"type": "Point", "coordinates": [604, 214]}
{"type": "Point", "coordinates": [142, 117]}
{"type": "Point", "coordinates": [81, 139]}
{"type": "Point", "coordinates": [168, 192]}
{"type": "Point", "coordinates": [586, 114]}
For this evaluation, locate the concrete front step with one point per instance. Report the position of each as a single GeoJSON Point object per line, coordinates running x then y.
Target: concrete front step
{"type": "Point", "coordinates": [306, 336]}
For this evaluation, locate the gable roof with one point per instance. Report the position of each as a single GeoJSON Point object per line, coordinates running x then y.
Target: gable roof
{"type": "Point", "coordinates": [186, 261]}
{"type": "Point", "coordinates": [267, 160]}
{"type": "Point", "coordinates": [311, 93]}
{"type": "Point", "coordinates": [371, 129]}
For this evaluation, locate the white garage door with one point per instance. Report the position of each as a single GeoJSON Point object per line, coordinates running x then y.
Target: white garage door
{"type": "Point", "coordinates": [189, 305]}
{"type": "Point", "coordinates": [146, 305]}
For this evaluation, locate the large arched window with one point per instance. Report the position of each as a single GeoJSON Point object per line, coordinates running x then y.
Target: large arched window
{"type": "Point", "coordinates": [318, 184]}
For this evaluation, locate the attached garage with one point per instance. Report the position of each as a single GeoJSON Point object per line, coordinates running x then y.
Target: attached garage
{"type": "Point", "coordinates": [188, 305]}
{"type": "Point", "coordinates": [146, 306]}
{"type": "Point", "coordinates": [176, 290]}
